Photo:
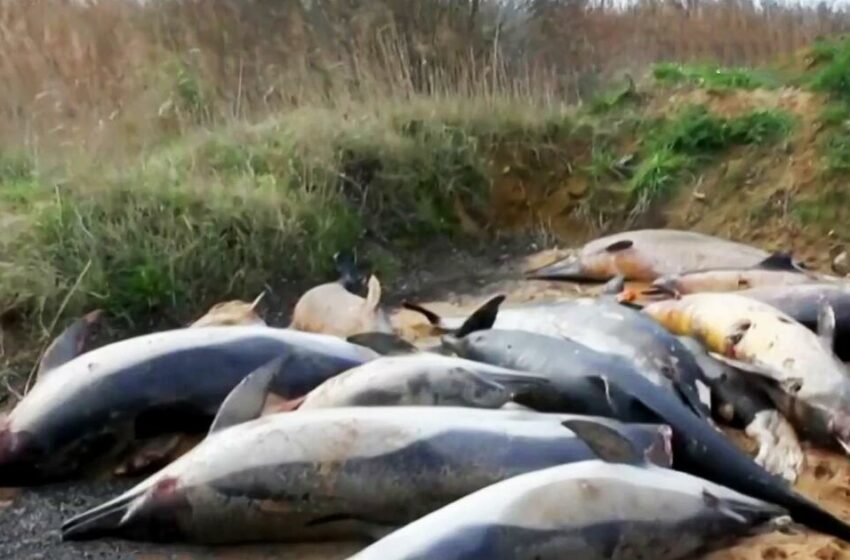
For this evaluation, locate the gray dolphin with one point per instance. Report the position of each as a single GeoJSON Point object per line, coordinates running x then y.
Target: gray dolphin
{"type": "Point", "coordinates": [354, 472]}
{"type": "Point", "coordinates": [593, 510]}
{"type": "Point", "coordinates": [647, 254]}
{"type": "Point", "coordinates": [618, 393]}
{"type": "Point", "coordinates": [93, 408]}
{"type": "Point", "coordinates": [605, 326]}
{"type": "Point", "coordinates": [421, 379]}
{"type": "Point", "coordinates": [804, 303]}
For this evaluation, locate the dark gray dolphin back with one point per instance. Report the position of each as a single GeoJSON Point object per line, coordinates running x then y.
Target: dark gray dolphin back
{"type": "Point", "coordinates": [173, 392]}
{"type": "Point", "coordinates": [289, 476]}
{"type": "Point", "coordinates": [697, 448]}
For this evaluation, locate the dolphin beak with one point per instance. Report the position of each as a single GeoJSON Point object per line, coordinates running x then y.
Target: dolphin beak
{"type": "Point", "coordinates": [565, 269]}
{"type": "Point", "coordinates": [844, 445]}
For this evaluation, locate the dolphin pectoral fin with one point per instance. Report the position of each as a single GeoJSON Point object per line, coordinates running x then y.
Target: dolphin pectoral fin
{"type": "Point", "coordinates": [689, 395]}
{"type": "Point", "coordinates": [826, 325]}
{"type": "Point", "coordinates": [482, 318]}
{"type": "Point", "coordinates": [245, 402]}
{"type": "Point", "coordinates": [69, 344]}
{"type": "Point", "coordinates": [742, 511]}
{"type": "Point", "coordinates": [154, 453]}
{"type": "Point", "coordinates": [779, 451]}
{"type": "Point", "coordinates": [605, 442]}
{"type": "Point", "coordinates": [614, 286]}
{"type": "Point", "coordinates": [385, 344]}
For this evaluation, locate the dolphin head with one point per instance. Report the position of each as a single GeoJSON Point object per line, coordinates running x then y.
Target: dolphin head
{"type": "Point", "coordinates": [19, 457]}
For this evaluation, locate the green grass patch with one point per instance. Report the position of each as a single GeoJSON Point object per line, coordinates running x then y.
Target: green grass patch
{"type": "Point", "coordinates": [674, 146]}
{"type": "Point", "coordinates": [837, 152]}
{"type": "Point", "coordinates": [830, 68]}
{"type": "Point", "coordinates": [224, 215]}
{"type": "Point", "coordinates": [713, 76]}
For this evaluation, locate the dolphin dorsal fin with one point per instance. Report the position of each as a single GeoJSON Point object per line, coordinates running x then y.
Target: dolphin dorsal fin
{"type": "Point", "coordinates": [780, 260]}
{"type": "Point", "coordinates": [605, 442]}
{"type": "Point", "coordinates": [68, 345]}
{"type": "Point", "coordinates": [482, 318]}
{"type": "Point", "coordinates": [614, 286]}
{"type": "Point", "coordinates": [245, 401]}
{"type": "Point", "coordinates": [826, 324]}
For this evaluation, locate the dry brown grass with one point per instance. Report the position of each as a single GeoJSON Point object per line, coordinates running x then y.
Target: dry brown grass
{"type": "Point", "coordinates": [113, 76]}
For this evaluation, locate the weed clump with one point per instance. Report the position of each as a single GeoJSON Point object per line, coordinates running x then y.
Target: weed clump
{"type": "Point", "coordinates": [225, 215]}
{"type": "Point", "coordinates": [672, 147]}
{"type": "Point", "coordinates": [713, 77]}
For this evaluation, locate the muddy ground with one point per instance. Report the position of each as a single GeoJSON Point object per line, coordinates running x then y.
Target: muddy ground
{"type": "Point", "coordinates": [30, 519]}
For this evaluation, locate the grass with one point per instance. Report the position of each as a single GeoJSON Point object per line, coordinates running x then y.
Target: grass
{"type": "Point", "coordinates": [712, 76]}
{"type": "Point", "coordinates": [227, 214]}
{"type": "Point", "coordinates": [674, 146]}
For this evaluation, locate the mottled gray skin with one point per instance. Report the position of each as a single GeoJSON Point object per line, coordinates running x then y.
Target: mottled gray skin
{"type": "Point", "coordinates": [590, 510]}
{"type": "Point", "coordinates": [803, 302]}
{"type": "Point", "coordinates": [618, 393]}
{"type": "Point", "coordinates": [421, 379]}
{"type": "Point", "coordinates": [339, 473]}
{"type": "Point", "coordinates": [96, 407]}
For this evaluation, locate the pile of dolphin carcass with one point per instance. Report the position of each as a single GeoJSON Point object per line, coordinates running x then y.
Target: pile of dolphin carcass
{"type": "Point", "coordinates": [585, 428]}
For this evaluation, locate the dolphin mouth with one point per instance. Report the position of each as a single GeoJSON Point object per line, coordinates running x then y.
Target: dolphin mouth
{"type": "Point", "coordinates": [567, 269]}
{"type": "Point", "coordinates": [149, 512]}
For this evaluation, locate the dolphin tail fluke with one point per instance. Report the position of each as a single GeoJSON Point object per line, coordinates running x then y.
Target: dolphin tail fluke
{"type": "Point", "coordinates": [435, 320]}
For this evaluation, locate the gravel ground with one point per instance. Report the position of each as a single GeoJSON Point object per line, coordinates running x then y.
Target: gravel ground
{"type": "Point", "coordinates": [30, 521]}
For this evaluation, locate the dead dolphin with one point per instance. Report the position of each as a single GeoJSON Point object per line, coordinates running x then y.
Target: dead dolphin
{"type": "Point", "coordinates": [603, 325]}
{"type": "Point", "coordinates": [741, 401]}
{"type": "Point", "coordinates": [231, 313]}
{"type": "Point", "coordinates": [332, 309]}
{"type": "Point", "coordinates": [779, 269]}
{"type": "Point", "coordinates": [647, 254]}
{"type": "Point", "coordinates": [352, 472]}
{"type": "Point", "coordinates": [615, 508]}
{"type": "Point", "coordinates": [698, 448]}
{"type": "Point", "coordinates": [96, 406]}
{"type": "Point", "coordinates": [804, 302]}
{"type": "Point", "coordinates": [805, 379]}
{"type": "Point", "coordinates": [420, 379]}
